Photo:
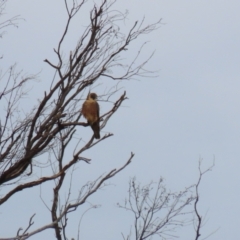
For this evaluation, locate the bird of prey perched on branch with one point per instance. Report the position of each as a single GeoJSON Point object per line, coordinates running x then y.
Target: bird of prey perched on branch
{"type": "Point", "coordinates": [90, 110]}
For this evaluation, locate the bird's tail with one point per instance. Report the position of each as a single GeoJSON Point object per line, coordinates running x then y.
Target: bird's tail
{"type": "Point", "coordinates": [96, 130]}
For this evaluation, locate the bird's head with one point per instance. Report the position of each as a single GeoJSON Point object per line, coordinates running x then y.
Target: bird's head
{"type": "Point", "coordinates": [93, 96]}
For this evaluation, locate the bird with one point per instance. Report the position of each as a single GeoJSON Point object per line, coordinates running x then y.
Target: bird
{"type": "Point", "coordinates": [90, 110]}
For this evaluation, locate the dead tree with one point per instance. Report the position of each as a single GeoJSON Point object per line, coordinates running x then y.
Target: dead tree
{"type": "Point", "coordinates": [156, 211]}
{"type": "Point", "coordinates": [160, 212]}
{"type": "Point", "coordinates": [50, 126]}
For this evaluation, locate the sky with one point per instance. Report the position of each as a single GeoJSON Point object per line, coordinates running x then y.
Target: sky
{"type": "Point", "coordinates": [190, 111]}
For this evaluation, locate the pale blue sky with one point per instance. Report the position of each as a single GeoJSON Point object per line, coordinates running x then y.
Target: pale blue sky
{"type": "Point", "coordinates": [190, 111]}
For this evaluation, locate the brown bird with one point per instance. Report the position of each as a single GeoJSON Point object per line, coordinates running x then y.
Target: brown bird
{"type": "Point", "coordinates": [90, 110]}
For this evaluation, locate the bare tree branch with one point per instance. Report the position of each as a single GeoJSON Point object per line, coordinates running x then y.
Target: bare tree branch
{"type": "Point", "coordinates": [12, 21]}
{"type": "Point", "coordinates": [156, 211]}
{"type": "Point", "coordinates": [92, 188]}
{"type": "Point", "coordinates": [198, 216]}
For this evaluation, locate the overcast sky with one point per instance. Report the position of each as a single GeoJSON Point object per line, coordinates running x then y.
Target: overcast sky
{"type": "Point", "coordinates": [191, 110]}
